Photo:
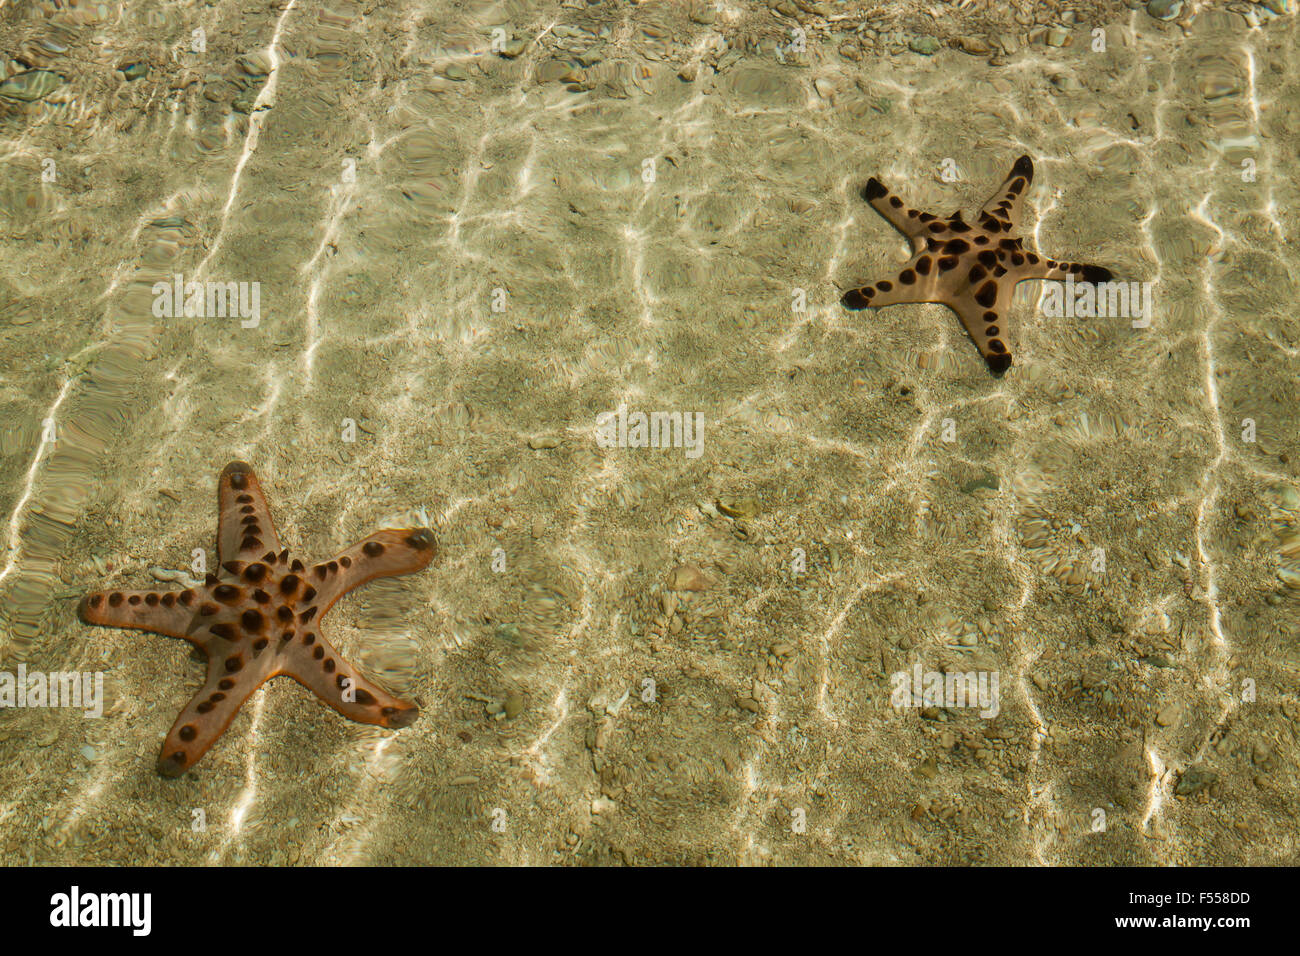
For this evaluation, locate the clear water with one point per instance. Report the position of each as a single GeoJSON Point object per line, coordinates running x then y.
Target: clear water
{"type": "Point", "coordinates": [462, 259]}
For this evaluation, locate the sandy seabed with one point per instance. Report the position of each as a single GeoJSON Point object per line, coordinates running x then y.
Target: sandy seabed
{"type": "Point", "coordinates": [473, 231]}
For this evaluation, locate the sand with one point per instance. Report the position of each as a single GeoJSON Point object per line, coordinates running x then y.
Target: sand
{"type": "Point", "coordinates": [647, 655]}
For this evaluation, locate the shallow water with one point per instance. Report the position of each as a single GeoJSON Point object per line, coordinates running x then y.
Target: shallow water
{"type": "Point", "coordinates": [464, 258]}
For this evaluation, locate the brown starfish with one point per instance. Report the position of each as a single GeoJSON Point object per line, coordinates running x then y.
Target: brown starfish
{"type": "Point", "coordinates": [971, 269]}
{"type": "Point", "coordinates": [260, 617]}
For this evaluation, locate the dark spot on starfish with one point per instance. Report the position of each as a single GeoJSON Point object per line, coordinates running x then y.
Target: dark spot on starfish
{"type": "Point", "coordinates": [932, 243]}
{"type": "Point", "coordinates": [187, 597]}
{"type": "Point", "coordinates": [296, 566]}
{"type": "Point", "coordinates": [260, 646]}
{"type": "Point", "coordinates": [203, 708]}
{"type": "Point", "coordinates": [289, 582]}
{"type": "Point", "coordinates": [318, 653]}
{"type": "Point", "coordinates": [981, 240]}
{"type": "Point", "coordinates": [938, 227]}
{"type": "Point", "coordinates": [269, 557]}
{"type": "Point", "coordinates": [996, 345]}
{"type": "Point", "coordinates": [422, 538]}
{"type": "Point", "coordinates": [374, 549]}
{"type": "Point", "coordinates": [988, 258]}
{"type": "Point", "coordinates": [990, 316]}
{"type": "Point", "coordinates": [907, 277]}
{"type": "Point", "coordinates": [956, 246]}
{"type": "Point", "coordinates": [225, 683]}
{"type": "Point", "coordinates": [1017, 259]}
{"type": "Point", "coordinates": [926, 217]}
{"type": "Point", "coordinates": [234, 663]}
{"type": "Point", "coordinates": [987, 294]}
{"type": "Point", "coordinates": [284, 613]}
{"type": "Point", "coordinates": [365, 697]}
{"type": "Point", "coordinates": [217, 697]}
{"type": "Point", "coordinates": [884, 285]}
{"type": "Point", "coordinates": [244, 499]}
{"type": "Point", "coordinates": [261, 597]}
{"type": "Point", "coordinates": [958, 226]}
{"type": "Point", "coordinates": [207, 610]}
{"type": "Point", "coordinates": [1033, 259]}
{"type": "Point", "coordinates": [309, 594]}
{"type": "Point", "coordinates": [923, 265]}
{"type": "Point", "coordinates": [333, 566]}
{"type": "Point", "coordinates": [247, 510]}
{"type": "Point", "coordinates": [234, 567]}
{"type": "Point", "coordinates": [991, 330]}
{"type": "Point", "coordinates": [169, 599]}
{"type": "Point", "coordinates": [287, 636]}
{"type": "Point", "coordinates": [1016, 185]}
{"type": "Point", "coordinates": [896, 202]}
{"type": "Point", "coordinates": [249, 519]}
{"type": "Point", "coordinates": [329, 666]}
{"type": "Point", "coordinates": [308, 638]}
{"type": "Point", "coordinates": [133, 600]}
{"type": "Point", "coordinates": [250, 544]}
{"type": "Point", "coordinates": [345, 561]}
{"type": "Point", "coordinates": [977, 272]}
{"type": "Point", "coordinates": [223, 630]}
{"type": "Point", "coordinates": [255, 572]}
{"type": "Point", "coordinates": [307, 615]}
{"type": "Point", "coordinates": [151, 599]}
{"type": "Point", "coordinates": [238, 480]}
{"type": "Point", "coordinates": [187, 733]}
{"type": "Point", "coordinates": [251, 621]}
{"type": "Point", "coordinates": [999, 272]}
{"type": "Point", "coordinates": [226, 593]}
{"type": "Point", "coordinates": [341, 680]}
{"type": "Point", "coordinates": [998, 364]}
{"type": "Point", "coordinates": [319, 571]}
{"type": "Point", "coordinates": [854, 299]}
{"type": "Point", "coordinates": [947, 263]}
{"type": "Point", "coordinates": [1097, 274]}
{"type": "Point", "coordinates": [874, 189]}
{"type": "Point", "coordinates": [95, 600]}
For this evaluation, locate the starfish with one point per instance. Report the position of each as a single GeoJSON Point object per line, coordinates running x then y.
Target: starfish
{"type": "Point", "coordinates": [971, 269]}
{"type": "Point", "coordinates": [260, 617]}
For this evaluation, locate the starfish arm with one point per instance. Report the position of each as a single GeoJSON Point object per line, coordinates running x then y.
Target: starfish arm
{"type": "Point", "coordinates": [1051, 269]}
{"type": "Point", "coordinates": [384, 554]}
{"type": "Point", "coordinates": [207, 715]}
{"type": "Point", "coordinates": [1002, 211]}
{"type": "Point", "coordinates": [159, 612]}
{"type": "Point", "coordinates": [910, 222]}
{"type": "Point", "coordinates": [321, 669]}
{"type": "Point", "coordinates": [907, 286]}
{"type": "Point", "coordinates": [245, 530]}
{"type": "Point", "coordinates": [985, 311]}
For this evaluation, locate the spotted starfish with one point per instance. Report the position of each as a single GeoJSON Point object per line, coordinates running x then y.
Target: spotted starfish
{"type": "Point", "coordinates": [260, 617]}
{"type": "Point", "coordinates": [971, 269]}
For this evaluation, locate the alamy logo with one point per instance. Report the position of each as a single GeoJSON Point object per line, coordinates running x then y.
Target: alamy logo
{"type": "Point", "coordinates": [208, 300]}
{"type": "Point", "coordinates": [948, 690]}
{"type": "Point", "coordinates": [621, 429]}
{"type": "Point", "coordinates": [80, 690]}
{"type": "Point", "coordinates": [102, 909]}
{"type": "Point", "coordinates": [1119, 300]}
